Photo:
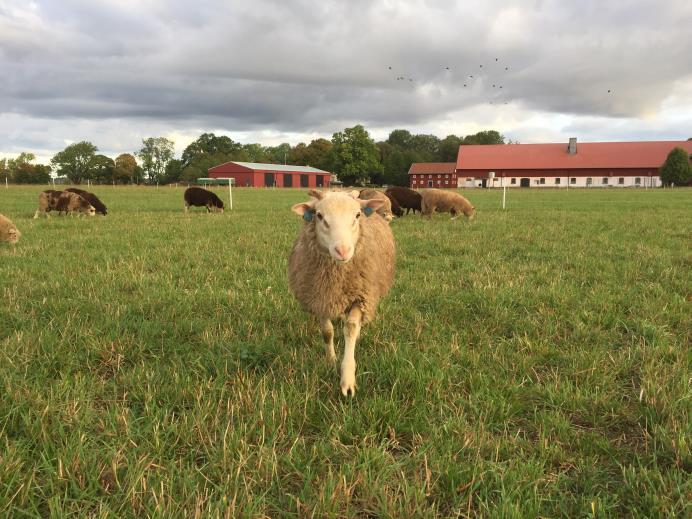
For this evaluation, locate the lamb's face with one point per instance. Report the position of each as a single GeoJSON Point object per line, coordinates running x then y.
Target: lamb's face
{"type": "Point", "coordinates": [13, 235]}
{"type": "Point", "coordinates": [337, 217]}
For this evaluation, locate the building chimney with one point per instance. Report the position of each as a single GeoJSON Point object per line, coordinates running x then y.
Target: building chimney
{"type": "Point", "coordinates": [572, 146]}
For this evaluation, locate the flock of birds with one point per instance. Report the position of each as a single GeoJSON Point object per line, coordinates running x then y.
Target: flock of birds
{"type": "Point", "coordinates": [500, 94]}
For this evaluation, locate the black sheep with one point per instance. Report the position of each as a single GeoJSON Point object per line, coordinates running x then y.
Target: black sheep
{"type": "Point", "coordinates": [406, 198]}
{"type": "Point", "coordinates": [200, 197]}
{"type": "Point", "coordinates": [91, 198]}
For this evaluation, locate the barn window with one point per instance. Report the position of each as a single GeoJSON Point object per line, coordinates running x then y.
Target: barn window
{"type": "Point", "coordinates": [514, 181]}
{"type": "Point", "coordinates": [605, 181]}
{"type": "Point", "coordinates": [542, 181]}
{"type": "Point", "coordinates": [638, 181]}
{"type": "Point", "coordinates": [269, 180]}
{"type": "Point", "coordinates": [288, 180]}
{"type": "Point", "coordinates": [621, 181]}
{"type": "Point", "coordinates": [430, 183]}
{"type": "Point", "coordinates": [557, 181]}
{"type": "Point", "coordinates": [589, 181]}
{"type": "Point", "coordinates": [304, 180]}
{"type": "Point", "coordinates": [320, 181]}
{"type": "Point", "coordinates": [572, 180]}
{"type": "Point", "coordinates": [446, 181]}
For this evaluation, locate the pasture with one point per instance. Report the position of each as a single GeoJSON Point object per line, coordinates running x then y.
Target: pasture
{"type": "Point", "coordinates": [534, 362]}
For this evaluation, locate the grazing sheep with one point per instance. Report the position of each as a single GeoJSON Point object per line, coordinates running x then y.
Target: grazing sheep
{"type": "Point", "coordinates": [445, 202]}
{"type": "Point", "coordinates": [341, 264]}
{"type": "Point", "coordinates": [8, 231]}
{"type": "Point", "coordinates": [91, 198]}
{"type": "Point", "coordinates": [201, 197]}
{"type": "Point", "coordinates": [62, 201]}
{"type": "Point", "coordinates": [386, 210]}
{"type": "Point", "coordinates": [405, 197]}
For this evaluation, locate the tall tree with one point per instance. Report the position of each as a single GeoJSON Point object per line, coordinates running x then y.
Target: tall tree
{"type": "Point", "coordinates": [485, 137]}
{"type": "Point", "coordinates": [207, 145]}
{"type": "Point", "coordinates": [155, 154]}
{"type": "Point", "coordinates": [254, 152]}
{"type": "Point", "coordinates": [174, 170]}
{"type": "Point", "coordinates": [76, 161]}
{"type": "Point", "coordinates": [124, 171]}
{"type": "Point", "coordinates": [676, 169]}
{"type": "Point", "coordinates": [315, 154]}
{"type": "Point", "coordinates": [449, 149]}
{"type": "Point", "coordinates": [4, 171]}
{"type": "Point", "coordinates": [400, 138]}
{"type": "Point", "coordinates": [279, 154]}
{"type": "Point", "coordinates": [102, 171]}
{"type": "Point", "coordinates": [355, 156]}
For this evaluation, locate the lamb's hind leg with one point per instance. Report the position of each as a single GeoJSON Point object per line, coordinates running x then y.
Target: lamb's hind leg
{"type": "Point", "coordinates": [328, 337]}
{"type": "Point", "coordinates": [348, 364]}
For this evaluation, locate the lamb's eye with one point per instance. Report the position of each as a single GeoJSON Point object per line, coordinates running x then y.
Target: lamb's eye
{"type": "Point", "coordinates": [319, 216]}
{"type": "Point", "coordinates": [357, 215]}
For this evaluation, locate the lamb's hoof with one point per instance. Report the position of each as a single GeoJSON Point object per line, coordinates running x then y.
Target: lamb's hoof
{"type": "Point", "coordinates": [348, 386]}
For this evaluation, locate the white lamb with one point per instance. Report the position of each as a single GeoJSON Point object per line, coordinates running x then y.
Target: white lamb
{"type": "Point", "coordinates": [342, 263]}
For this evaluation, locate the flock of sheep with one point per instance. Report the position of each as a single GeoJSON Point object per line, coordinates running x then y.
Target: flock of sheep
{"type": "Point", "coordinates": [342, 262]}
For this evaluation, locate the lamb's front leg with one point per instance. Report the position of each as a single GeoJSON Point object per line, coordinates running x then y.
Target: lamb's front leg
{"type": "Point", "coordinates": [328, 338]}
{"type": "Point", "coordinates": [348, 364]}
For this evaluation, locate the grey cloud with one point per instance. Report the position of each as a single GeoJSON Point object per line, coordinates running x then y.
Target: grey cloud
{"type": "Point", "coordinates": [311, 66]}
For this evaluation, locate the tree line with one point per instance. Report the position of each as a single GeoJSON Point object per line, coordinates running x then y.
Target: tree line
{"type": "Point", "coordinates": [351, 154]}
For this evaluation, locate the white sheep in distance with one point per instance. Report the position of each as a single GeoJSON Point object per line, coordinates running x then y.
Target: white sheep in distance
{"type": "Point", "coordinates": [341, 265]}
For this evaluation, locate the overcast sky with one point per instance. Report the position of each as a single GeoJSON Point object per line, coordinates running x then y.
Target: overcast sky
{"type": "Point", "coordinates": [116, 71]}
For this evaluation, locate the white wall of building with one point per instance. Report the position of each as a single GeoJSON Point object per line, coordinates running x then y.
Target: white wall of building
{"type": "Point", "coordinates": [560, 182]}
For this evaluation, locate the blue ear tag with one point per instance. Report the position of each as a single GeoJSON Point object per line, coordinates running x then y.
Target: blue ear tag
{"type": "Point", "coordinates": [307, 215]}
{"type": "Point", "coordinates": [368, 211]}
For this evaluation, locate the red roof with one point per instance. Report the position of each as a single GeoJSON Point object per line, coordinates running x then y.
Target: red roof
{"type": "Point", "coordinates": [644, 154]}
{"type": "Point", "coordinates": [432, 167]}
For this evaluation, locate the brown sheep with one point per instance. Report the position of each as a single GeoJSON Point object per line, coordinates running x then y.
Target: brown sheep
{"type": "Point", "coordinates": [341, 265]}
{"type": "Point", "coordinates": [62, 201]}
{"type": "Point", "coordinates": [445, 202]}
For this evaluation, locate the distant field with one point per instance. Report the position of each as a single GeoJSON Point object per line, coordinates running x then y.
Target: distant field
{"type": "Point", "coordinates": [533, 362]}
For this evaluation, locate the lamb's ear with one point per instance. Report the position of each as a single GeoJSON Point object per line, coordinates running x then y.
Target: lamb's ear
{"type": "Point", "coordinates": [316, 194]}
{"type": "Point", "coordinates": [353, 193]}
{"type": "Point", "coordinates": [305, 210]}
{"type": "Point", "coordinates": [370, 206]}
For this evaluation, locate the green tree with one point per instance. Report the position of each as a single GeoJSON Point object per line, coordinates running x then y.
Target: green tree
{"type": "Point", "coordinates": [315, 154]}
{"type": "Point", "coordinates": [279, 154]}
{"type": "Point", "coordinates": [400, 138]}
{"type": "Point", "coordinates": [173, 171]}
{"type": "Point", "coordinates": [676, 170]}
{"type": "Point", "coordinates": [76, 161]}
{"type": "Point", "coordinates": [207, 145]}
{"type": "Point", "coordinates": [449, 149]}
{"type": "Point", "coordinates": [102, 169]}
{"type": "Point", "coordinates": [355, 156]}
{"type": "Point", "coordinates": [155, 154]}
{"type": "Point", "coordinates": [485, 137]}
{"type": "Point", "coordinates": [4, 171]}
{"type": "Point", "coordinates": [254, 152]}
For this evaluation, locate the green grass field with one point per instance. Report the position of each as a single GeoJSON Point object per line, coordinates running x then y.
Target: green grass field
{"type": "Point", "coordinates": [533, 362]}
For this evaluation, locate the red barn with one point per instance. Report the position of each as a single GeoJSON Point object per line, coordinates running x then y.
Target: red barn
{"type": "Point", "coordinates": [252, 174]}
{"type": "Point", "coordinates": [432, 174]}
{"type": "Point", "coordinates": [589, 164]}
